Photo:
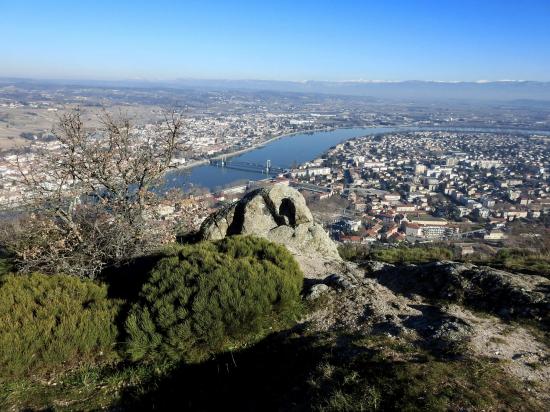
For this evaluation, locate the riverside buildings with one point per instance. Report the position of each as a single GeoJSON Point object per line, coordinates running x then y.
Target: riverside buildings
{"type": "Point", "coordinates": [434, 185]}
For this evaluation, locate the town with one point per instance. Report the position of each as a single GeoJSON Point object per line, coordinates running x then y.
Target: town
{"type": "Point", "coordinates": [421, 186]}
{"type": "Point", "coordinates": [459, 186]}
{"type": "Point", "coordinates": [431, 185]}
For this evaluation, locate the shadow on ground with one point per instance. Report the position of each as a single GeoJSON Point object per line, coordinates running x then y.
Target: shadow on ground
{"type": "Point", "coordinates": [269, 376]}
{"type": "Point", "coordinates": [291, 371]}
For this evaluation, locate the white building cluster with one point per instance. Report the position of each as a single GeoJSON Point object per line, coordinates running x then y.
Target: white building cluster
{"type": "Point", "coordinates": [434, 185]}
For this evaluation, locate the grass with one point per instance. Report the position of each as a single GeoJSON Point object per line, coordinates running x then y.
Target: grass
{"type": "Point", "coordinates": [517, 260]}
{"type": "Point", "coordinates": [87, 388]}
{"type": "Point", "coordinates": [395, 376]}
{"type": "Point", "coordinates": [498, 340]}
{"type": "Point", "coordinates": [353, 252]}
{"type": "Point", "coordinates": [396, 255]}
{"type": "Point", "coordinates": [524, 261]}
{"type": "Point", "coordinates": [541, 333]}
{"type": "Point", "coordinates": [288, 371]}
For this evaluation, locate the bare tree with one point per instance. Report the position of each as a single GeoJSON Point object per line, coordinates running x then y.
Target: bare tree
{"type": "Point", "coordinates": [90, 199]}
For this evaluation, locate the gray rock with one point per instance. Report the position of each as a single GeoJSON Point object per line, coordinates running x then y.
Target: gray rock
{"type": "Point", "coordinates": [256, 218]}
{"type": "Point", "coordinates": [289, 204]}
{"type": "Point", "coordinates": [504, 293]}
{"type": "Point", "coordinates": [278, 213]}
{"type": "Point", "coordinates": [317, 291]}
{"type": "Point", "coordinates": [216, 225]}
{"type": "Point", "coordinates": [452, 334]}
{"type": "Point", "coordinates": [453, 330]}
{"type": "Point", "coordinates": [339, 281]}
{"type": "Point", "coordinates": [374, 266]}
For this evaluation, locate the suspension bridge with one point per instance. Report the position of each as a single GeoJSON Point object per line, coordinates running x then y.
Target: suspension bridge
{"type": "Point", "coordinates": [267, 169]}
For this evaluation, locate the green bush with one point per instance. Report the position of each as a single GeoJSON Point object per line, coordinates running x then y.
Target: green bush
{"type": "Point", "coordinates": [412, 254]}
{"type": "Point", "coordinates": [48, 323]}
{"type": "Point", "coordinates": [353, 252]}
{"type": "Point", "coordinates": [524, 261]}
{"type": "Point", "coordinates": [213, 296]}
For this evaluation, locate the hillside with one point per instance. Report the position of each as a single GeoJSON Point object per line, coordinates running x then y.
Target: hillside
{"type": "Point", "coordinates": [259, 312]}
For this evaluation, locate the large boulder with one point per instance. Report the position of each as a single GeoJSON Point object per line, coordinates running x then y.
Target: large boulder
{"type": "Point", "coordinates": [280, 214]}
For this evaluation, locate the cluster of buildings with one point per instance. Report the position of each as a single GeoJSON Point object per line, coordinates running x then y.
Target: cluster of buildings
{"type": "Point", "coordinates": [201, 138]}
{"type": "Point", "coordinates": [416, 186]}
{"type": "Point", "coordinates": [210, 135]}
{"type": "Point", "coordinates": [433, 185]}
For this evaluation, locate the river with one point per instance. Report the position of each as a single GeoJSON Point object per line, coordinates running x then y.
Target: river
{"type": "Point", "coordinates": [289, 150]}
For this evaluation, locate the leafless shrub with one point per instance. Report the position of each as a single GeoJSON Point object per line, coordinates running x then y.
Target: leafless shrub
{"type": "Point", "coordinates": [90, 201]}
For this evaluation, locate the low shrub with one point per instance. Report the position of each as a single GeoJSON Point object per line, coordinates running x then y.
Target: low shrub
{"type": "Point", "coordinates": [48, 323]}
{"type": "Point", "coordinates": [412, 254]}
{"type": "Point", "coordinates": [353, 252]}
{"type": "Point", "coordinates": [524, 261]}
{"type": "Point", "coordinates": [213, 296]}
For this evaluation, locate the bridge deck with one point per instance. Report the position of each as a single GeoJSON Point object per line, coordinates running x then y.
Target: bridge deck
{"type": "Point", "coordinates": [248, 167]}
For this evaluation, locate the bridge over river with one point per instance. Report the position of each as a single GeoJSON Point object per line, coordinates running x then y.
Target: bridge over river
{"type": "Point", "coordinates": [267, 169]}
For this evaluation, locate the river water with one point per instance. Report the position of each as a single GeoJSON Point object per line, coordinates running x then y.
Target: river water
{"type": "Point", "coordinates": [285, 152]}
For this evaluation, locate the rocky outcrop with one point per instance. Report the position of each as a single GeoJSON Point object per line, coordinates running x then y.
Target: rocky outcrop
{"type": "Point", "coordinates": [449, 309]}
{"type": "Point", "coordinates": [280, 214]}
{"type": "Point", "coordinates": [417, 297]}
{"type": "Point", "coordinates": [506, 294]}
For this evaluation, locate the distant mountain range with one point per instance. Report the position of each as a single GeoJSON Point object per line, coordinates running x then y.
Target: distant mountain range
{"type": "Point", "coordinates": [505, 90]}
{"type": "Point", "coordinates": [424, 90]}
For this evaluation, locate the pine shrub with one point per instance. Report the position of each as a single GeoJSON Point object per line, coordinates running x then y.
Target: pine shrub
{"type": "Point", "coordinates": [50, 323]}
{"type": "Point", "coordinates": [213, 296]}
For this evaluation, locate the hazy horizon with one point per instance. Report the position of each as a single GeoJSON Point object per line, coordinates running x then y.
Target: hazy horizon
{"type": "Point", "coordinates": [393, 90]}
{"type": "Point", "coordinates": [260, 79]}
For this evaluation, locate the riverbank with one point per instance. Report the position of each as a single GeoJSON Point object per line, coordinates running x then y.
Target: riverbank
{"type": "Point", "coordinates": [258, 145]}
{"type": "Point", "coordinates": [402, 128]}
{"type": "Point", "coordinates": [289, 149]}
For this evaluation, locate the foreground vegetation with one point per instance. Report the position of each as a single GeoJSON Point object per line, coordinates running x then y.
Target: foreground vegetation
{"type": "Point", "coordinates": [211, 326]}
{"type": "Point", "coordinates": [412, 255]}
{"type": "Point", "coordinates": [293, 371]}
{"type": "Point", "coordinates": [517, 260]}
{"type": "Point", "coordinates": [50, 323]}
{"type": "Point", "coordinates": [391, 374]}
{"type": "Point", "coordinates": [396, 255]}
{"type": "Point", "coordinates": [524, 261]}
{"type": "Point", "coordinates": [59, 331]}
{"type": "Point", "coordinates": [5, 266]}
{"type": "Point", "coordinates": [108, 214]}
{"type": "Point", "coordinates": [206, 298]}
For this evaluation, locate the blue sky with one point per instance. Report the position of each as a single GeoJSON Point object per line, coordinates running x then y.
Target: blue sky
{"type": "Point", "coordinates": [280, 40]}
